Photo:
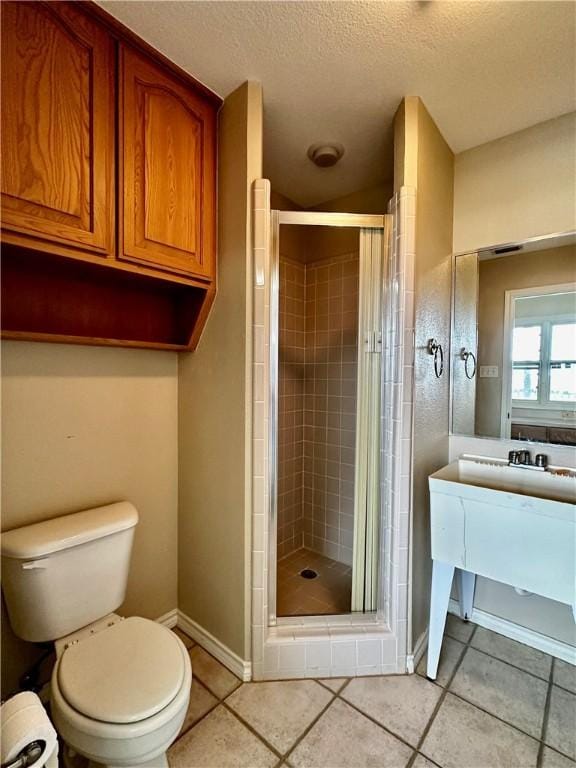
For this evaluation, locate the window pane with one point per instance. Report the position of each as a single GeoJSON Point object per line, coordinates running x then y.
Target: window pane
{"type": "Point", "coordinates": [526, 343]}
{"type": "Point", "coordinates": [563, 383]}
{"type": "Point", "coordinates": [525, 383]}
{"type": "Point", "coordinates": [563, 342]}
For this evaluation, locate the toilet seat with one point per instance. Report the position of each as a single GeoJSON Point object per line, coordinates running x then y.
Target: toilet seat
{"type": "Point", "coordinates": [124, 674]}
{"type": "Point", "coordinates": [131, 742]}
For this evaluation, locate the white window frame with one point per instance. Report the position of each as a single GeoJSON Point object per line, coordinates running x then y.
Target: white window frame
{"type": "Point", "coordinates": [507, 366]}
{"type": "Point", "coordinates": [545, 323]}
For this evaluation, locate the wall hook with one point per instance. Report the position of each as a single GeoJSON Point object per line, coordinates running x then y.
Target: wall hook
{"type": "Point", "coordinates": [436, 349]}
{"type": "Point", "coordinates": [465, 355]}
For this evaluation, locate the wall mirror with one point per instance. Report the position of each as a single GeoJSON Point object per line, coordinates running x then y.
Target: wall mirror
{"type": "Point", "coordinates": [513, 349]}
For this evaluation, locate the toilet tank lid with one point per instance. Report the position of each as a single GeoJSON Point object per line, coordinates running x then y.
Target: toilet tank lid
{"type": "Point", "coordinates": [68, 531]}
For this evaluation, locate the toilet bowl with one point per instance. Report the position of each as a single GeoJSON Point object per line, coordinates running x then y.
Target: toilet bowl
{"type": "Point", "coordinates": [120, 695]}
{"type": "Point", "coordinates": [120, 687]}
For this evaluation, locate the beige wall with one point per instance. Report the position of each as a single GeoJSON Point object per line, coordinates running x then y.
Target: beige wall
{"type": "Point", "coordinates": [337, 241]}
{"type": "Point", "coordinates": [423, 160]}
{"type": "Point", "coordinates": [522, 270]}
{"type": "Point", "coordinates": [303, 243]}
{"type": "Point", "coordinates": [516, 187]}
{"type": "Point", "coordinates": [370, 200]}
{"type": "Point", "coordinates": [214, 390]}
{"type": "Point", "coordinates": [83, 426]}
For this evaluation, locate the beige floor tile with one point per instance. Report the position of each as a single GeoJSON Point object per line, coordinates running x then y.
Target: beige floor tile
{"type": "Point", "coordinates": [404, 704]}
{"type": "Point", "coordinates": [220, 741]}
{"type": "Point", "coordinates": [201, 702]}
{"type": "Point", "coordinates": [334, 683]}
{"type": "Point", "coordinates": [423, 762]}
{"type": "Point", "coordinates": [449, 656]}
{"type": "Point", "coordinates": [280, 711]}
{"type": "Point", "coordinates": [561, 729]}
{"type": "Point", "coordinates": [518, 654]}
{"type": "Point", "coordinates": [565, 675]}
{"type": "Point", "coordinates": [464, 736]}
{"type": "Point", "coordinates": [552, 759]}
{"type": "Point", "coordinates": [502, 690]}
{"type": "Point", "coordinates": [458, 629]}
{"type": "Point", "coordinates": [214, 675]}
{"type": "Point", "coordinates": [188, 642]}
{"type": "Point", "coordinates": [343, 738]}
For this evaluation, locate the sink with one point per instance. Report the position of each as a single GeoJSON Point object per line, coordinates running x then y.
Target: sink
{"type": "Point", "coordinates": [507, 523]}
{"type": "Point", "coordinates": [556, 484]}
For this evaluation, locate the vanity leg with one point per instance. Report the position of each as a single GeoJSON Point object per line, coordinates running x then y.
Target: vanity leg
{"type": "Point", "coordinates": [442, 575]}
{"type": "Point", "coordinates": [466, 584]}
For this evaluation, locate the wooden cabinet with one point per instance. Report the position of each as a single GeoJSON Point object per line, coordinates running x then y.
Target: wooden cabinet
{"type": "Point", "coordinates": [108, 183]}
{"type": "Point", "coordinates": [168, 170]}
{"type": "Point", "coordinates": [57, 128]}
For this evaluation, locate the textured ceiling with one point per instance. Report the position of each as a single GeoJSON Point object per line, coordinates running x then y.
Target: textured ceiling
{"type": "Point", "coordinates": [336, 71]}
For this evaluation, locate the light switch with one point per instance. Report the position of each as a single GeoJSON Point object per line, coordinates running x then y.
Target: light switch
{"type": "Point", "coordinates": [488, 371]}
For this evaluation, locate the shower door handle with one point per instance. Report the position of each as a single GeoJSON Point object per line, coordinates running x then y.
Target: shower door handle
{"type": "Point", "coordinates": [373, 342]}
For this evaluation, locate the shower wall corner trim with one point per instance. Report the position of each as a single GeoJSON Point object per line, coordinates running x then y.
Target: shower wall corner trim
{"type": "Point", "coordinates": [337, 645]}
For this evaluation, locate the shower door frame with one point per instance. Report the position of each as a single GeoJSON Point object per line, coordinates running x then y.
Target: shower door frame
{"type": "Point", "coordinates": [358, 221]}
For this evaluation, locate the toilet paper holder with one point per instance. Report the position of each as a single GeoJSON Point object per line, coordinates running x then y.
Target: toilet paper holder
{"type": "Point", "coordinates": [28, 756]}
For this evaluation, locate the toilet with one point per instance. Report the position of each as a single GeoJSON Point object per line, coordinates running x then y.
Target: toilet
{"type": "Point", "coordinates": [120, 686]}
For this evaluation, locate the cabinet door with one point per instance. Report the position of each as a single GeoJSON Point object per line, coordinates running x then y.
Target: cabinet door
{"type": "Point", "coordinates": [167, 141]}
{"type": "Point", "coordinates": [57, 128]}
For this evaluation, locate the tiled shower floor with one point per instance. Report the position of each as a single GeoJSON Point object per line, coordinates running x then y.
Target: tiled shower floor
{"type": "Point", "coordinates": [329, 593]}
{"type": "Point", "coordinates": [496, 704]}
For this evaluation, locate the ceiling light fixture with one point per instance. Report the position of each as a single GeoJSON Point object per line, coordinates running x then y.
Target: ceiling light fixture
{"type": "Point", "coordinates": [325, 155]}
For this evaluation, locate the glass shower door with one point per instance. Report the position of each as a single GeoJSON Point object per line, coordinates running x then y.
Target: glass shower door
{"type": "Point", "coordinates": [326, 338]}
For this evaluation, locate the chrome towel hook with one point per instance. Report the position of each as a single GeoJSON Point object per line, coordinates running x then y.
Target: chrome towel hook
{"type": "Point", "coordinates": [436, 349]}
{"type": "Point", "coordinates": [465, 355]}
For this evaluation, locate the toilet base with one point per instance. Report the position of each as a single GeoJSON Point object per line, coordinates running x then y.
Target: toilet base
{"type": "Point", "coordinates": [161, 761]}
{"type": "Point", "coordinates": [72, 759]}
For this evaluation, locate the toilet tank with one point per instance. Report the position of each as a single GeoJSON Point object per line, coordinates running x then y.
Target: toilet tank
{"type": "Point", "coordinates": [62, 574]}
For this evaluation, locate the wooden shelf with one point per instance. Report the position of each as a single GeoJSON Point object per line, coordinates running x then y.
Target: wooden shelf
{"type": "Point", "coordinates": [51, 298]}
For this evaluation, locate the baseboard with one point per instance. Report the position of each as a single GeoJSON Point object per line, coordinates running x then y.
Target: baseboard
{"type": "Point", "coordinates": [236, 665]}
{"type": "Point", "coordinates": [524, 635]}
{"type": "Point", "coordinates": [169, 619]}
{"type": "Point", "coordinates": [413, 660]}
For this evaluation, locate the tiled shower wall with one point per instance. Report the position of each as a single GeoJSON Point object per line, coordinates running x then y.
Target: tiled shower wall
{"type": "Point", "coordinates": [290, 405]}
{"type": "Point", "coordinates": [317, 405]}
{"type": "Point", "coordinates": [330, 406]}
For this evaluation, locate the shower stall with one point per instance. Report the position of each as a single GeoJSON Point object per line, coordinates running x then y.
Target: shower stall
{"type": "Point", "coordinates": [325, 402]}
{"type": "Point", "coordinates": [332, 360]}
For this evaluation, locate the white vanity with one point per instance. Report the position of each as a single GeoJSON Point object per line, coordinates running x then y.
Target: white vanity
{"type": "Point", "coordinates": [508, 523]}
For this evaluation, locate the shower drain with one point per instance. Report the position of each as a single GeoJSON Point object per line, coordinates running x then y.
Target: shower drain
{"type": "Point", "coordinates": [308, 573]}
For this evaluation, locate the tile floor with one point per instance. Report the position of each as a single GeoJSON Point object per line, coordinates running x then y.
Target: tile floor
{"type": "Point", "coordinates": [496, 704]}
{"type": "Point", "coordinates": [328, 594]}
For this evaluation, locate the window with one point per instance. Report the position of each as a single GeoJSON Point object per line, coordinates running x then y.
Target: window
{"type": "Point", "coordinates": [544, 362]}
{"type": "Point", "coordinates": [526, 347]}
{"type": "Point", "coordinates": [563, 362]}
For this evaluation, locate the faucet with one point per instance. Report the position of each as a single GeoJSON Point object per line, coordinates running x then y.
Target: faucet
{"type": "Point", "coordinates": [523, 460]}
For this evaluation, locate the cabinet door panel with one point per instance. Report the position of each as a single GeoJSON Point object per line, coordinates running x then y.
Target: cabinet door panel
{"type": "Point", "coordinates": [168, 141]}
{"type": "Point", "coordinates": [57, 125]}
